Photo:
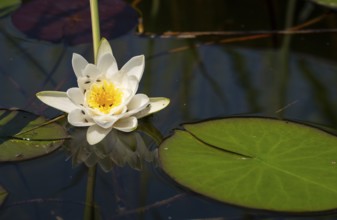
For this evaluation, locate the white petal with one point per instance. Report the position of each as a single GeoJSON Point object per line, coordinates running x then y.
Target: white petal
{"type": "Point", "coordinates": [58, 100]}
{"type": "Point", "coordinates": [137, 104]}
{"type": "Point", "coordinates": [121, 109]}
{"type": "Point", "coordinates": [79, 118]}
{"type": "Point", "coordinates": [103, 48]}
{"type": "Point", "coordinates": [84, 83]}
{"type": "Point", "coordinates": [76, 95]}
{"type": "Point", "coordinates": [91, 71]}
{"type": "Point", "coordinates": [138, 101]}
{"type": "Point", "coordinates": [126, 124]}
{"type": "Point", "coordinates": [131, 83]}
{"type": "Point", "coordinates": [105, 121]}
{"type": "Point", "coordinates": [134, 67]}
{"type": "Point", "coordinates": [113, 76]}
{"type": "Point", "coordinates": [107, 62]}
{"type": "Point", "coordinates": [96, 133]}
{"type": "Point", "coordinates": [79, 64]}
{"type": "Point", "coordinates": [156, 104]}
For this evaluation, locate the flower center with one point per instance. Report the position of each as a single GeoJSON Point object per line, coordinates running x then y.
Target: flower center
{"type": "Point", "coordinates": [104, 96]}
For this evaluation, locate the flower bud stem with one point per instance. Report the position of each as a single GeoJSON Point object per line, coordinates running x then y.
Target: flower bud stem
{"type": "Point", "coordinates": [96, 35]}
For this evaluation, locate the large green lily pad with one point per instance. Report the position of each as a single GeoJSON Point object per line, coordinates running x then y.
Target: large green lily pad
{"type": "Point", "coordinates": [24, 135]}
{"type": "Point", "coordinates": [258, 163]}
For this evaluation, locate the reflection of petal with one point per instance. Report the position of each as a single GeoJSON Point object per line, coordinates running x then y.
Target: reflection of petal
{"type": "Point", "coordinates": [91, 160]}
{"type": "Point", "coordinates": [58, 100]}
{"type": "Point", "coordinates": [118, 148]}
{"type": "Point", "coordinates": [120, 153]}
{"type": "Point", "coordinates": [134, 67]}
{"type": "Point", "coordinates": [133, 156]}
{"type": "Point", "coordinates": [79, 63]}
{"type": "Point", "coordinates": [106, 164]}
{"type": "Point", "coordinates": [142, 150]}
{"type": "Point", "coordinates": [96, 133]}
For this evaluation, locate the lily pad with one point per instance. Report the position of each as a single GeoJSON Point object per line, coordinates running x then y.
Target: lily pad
{"type": "Point", "coordinates": [7, 6]}
{"type": "Point", "coordinates": [3, 195]}
{"type": "Point", "coordinates": [69, 21]}
{"type": "Point", "coordinates": [259, 163]}
{"type": "Point", "coordinates": [327, 3]}
{"type": "Point", "coordinates": [24, 135]}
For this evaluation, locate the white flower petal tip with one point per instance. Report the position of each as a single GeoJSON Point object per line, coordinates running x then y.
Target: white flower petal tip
{"type": "Point", "coordinates": [156, 104]}
{"type": "Point", "coordinates": [103, 48]}
{"type": "Point", "coordinates": [58, 100]}
{"type": "Point", "coordinates": [79, 63]}
{"type": "Point", "coordinates": [134, 67]}
{"type": "Point", "coordinates": [96, 134]}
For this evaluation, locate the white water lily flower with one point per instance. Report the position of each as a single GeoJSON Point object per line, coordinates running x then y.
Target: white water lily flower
{"type": "Point", "coordinates": [106, 97]}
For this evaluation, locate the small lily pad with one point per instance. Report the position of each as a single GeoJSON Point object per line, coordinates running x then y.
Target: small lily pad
{"type": "Point", "coordinates": [24, 135]}
{"type": "Point", "coordinates": [3, 195]}
{"type": "Point", "coordinates": [7, 6]}
{"type": "Point", "coordinates": [259, 163]}
{"type": "Point", "coordinates": [327, 3]}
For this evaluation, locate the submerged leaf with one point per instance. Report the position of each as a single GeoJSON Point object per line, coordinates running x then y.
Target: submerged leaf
{"type": "Point", "coordinates": [255, 162]}
{"type": "Point", "coordinates": [24, 135]}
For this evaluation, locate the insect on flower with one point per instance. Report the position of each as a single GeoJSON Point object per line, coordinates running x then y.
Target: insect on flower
{"type": "Point", "coordinates": [106, 97]}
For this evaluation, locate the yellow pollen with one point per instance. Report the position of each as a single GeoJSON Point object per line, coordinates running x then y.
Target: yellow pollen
{"type": "Point", "coordinates": [104, 96]}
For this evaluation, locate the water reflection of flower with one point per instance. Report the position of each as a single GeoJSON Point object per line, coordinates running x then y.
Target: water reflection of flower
{"type": "Point", "coordinates": [117, 149]}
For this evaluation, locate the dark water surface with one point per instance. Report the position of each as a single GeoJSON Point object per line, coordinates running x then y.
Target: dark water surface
{"type": "Point", "coordinates": [291, 76]}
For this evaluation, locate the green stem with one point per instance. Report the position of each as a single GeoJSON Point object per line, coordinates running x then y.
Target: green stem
{"type": "Point", "coordinates": [89, 199]}
{"type": "Point", "coordinates": [96, 36]}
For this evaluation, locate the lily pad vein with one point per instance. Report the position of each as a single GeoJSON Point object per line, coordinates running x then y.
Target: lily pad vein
{"type": "Point", "coordinates": [299, 177]}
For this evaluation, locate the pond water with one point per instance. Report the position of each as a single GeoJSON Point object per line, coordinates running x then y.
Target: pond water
{"type": "Point", "coordinates": [250, 66]}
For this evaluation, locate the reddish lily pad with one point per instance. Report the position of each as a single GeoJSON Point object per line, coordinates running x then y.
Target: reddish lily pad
{"type": "Point", "coordinates": [69, 21]}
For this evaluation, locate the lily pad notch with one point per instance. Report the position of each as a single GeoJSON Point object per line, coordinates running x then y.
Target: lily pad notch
{"type": "Point", "coordinates": [259, 163]}
{"type": "Point", "coordinates": [24, 135]}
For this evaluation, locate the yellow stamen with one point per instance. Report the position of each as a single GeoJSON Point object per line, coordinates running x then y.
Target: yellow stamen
{"type": "Point", "coordinates": [104, 96]}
